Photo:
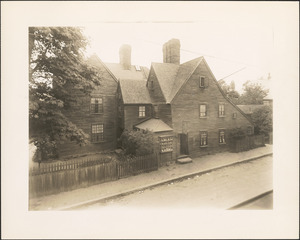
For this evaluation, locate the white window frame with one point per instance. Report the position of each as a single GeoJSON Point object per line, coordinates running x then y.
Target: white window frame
{"type": "Point", "coordinates": [221, 111]}
{"type": "Point", "coordinates": [97, 132]}
{"type": "Point", "coordinates": [222, 137]}
{"type": "Point", "coordinates": [203, 142]}
{"type": "Point", "coordinates": [96, 102]}
{"type": "Point", "coordinates": [142, 111]}
{"type": "Point", "coordinates": [201, 113]}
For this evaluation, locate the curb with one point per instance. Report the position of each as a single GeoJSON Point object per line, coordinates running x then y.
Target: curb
{"type": "Point", "coordinates": [250, 200]}
{"type": "Point", "coordinates": [178, 178]}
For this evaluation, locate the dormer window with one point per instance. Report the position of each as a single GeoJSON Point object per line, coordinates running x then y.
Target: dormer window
{"type": "Point", "coordinates": [137, 68]}
{"type": "Point", "coordinates": [151, 86]}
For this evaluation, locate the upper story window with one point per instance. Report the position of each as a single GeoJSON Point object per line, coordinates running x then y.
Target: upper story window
{"type": "Point", "coordinates": [203, 139]}
{"type": "Point", "coordinates": [97, 132]}
{"type": "Point", "coordinates": [142, 111]}
{"type": "Point", "coordinates": [202, 82]}
{"type": "Point", "coordinates": [222, 136]}
{"type": "Point", "coordinates": [151, 85]}
{"type": "Point", "coordinates": [249, 130]}
{"type": "Point", "coordinates": [221, 110]}
{"type": "Point", "coordinates": [203, 110]}
{"type": "Point", "coordinates": [234, 115]}
{"type": "Point", "coordinates": [96, 105]}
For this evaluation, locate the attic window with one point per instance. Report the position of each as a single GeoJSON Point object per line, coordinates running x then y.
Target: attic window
{"type": "Point", "coordinates": [137, 68]}
{"type": "Point", "coordinates": [202, 82]}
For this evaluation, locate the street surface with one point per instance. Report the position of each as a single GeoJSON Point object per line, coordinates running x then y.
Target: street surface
{"type": "Point", "coordinates": [220, 189]}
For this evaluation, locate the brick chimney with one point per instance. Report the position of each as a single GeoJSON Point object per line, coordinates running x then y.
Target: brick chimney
{"type": "Point", "coordinates": [171, 51]}
{"type": "Point", "coordinates": [125, 56]}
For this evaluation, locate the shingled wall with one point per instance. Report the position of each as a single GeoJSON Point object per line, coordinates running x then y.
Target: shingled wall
{"type": "Point", "coordinates": [186, 112]}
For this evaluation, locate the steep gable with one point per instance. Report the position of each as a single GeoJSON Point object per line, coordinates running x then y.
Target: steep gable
{"type": "Point", "coordinates": [166, 75]}
{"type": "Point", "coordinates": [171, 77]}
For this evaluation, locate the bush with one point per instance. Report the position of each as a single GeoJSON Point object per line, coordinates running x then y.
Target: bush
{"type": "Point", "coordinates": [237, 133]}
{"type": "Point", "coordinates": [46, 149]}
{"type": "Point", "coordinates": [137, 143]}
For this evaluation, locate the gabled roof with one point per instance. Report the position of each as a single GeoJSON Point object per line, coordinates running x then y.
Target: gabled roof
{"type": "Point", "coordinates": [171, 77]}
{"type": "Point", "coordinates": [133, 73]}
{"type": "Point", "coordinates": [95, 61]}
{"type": "Point", "coordinates": [154, 125]}
{"type": "Point", "coordinates": [134, 91]}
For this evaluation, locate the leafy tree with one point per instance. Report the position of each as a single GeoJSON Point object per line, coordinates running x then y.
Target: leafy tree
{"type": "Point", "coordinates": [229, 90]}
{"type": "Point", "coordinates": [263, 120]}
{"type": "Point", "coordinates": [137, 143]}
{"type": "Point", "coordinates": [57, 69]}
{"type": "Point", "coordinates": [253, 93]}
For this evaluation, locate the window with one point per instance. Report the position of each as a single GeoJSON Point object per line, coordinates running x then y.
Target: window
{"type": "Point", "coordinates": [96, 105]}
{"type": "Point", "coordinates": [203, 139]}
{"type": "Point", "coordinates": [97, 132]}
{"type": "Point", "coordinates": [234, 115]}
{"type": "Point", "coordinates": [166, 144]}
{"type": "Point", "coordinates": [222, 136]}
{"type": "Point", "coordinates": [202, 82]}
{"type": "Point", "coordinates": [137, 68]}
{"type": "Point", "coordinates": [221, 110]}
{"type": "Point", "coordinates": [151, 86]}
{"type": "Point", "coordinates": [203, 110]}
{"type": "Point", "coordinates": [142, 111]}
{"type": "Point", "coordinates": [249, 130]}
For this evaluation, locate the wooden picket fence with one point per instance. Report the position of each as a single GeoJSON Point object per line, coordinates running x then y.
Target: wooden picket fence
{"type": "Point", "coordinates": [247, 143]}
{"type": "Point", "coordinates": [59, 177]}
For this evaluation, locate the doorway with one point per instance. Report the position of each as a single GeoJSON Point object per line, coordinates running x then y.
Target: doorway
{"type": "Point", "coordinates": [184, 150]}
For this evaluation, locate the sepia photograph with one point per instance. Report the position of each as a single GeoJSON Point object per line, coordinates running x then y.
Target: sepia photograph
{"type": "Point", "coordinates": [163, 117]}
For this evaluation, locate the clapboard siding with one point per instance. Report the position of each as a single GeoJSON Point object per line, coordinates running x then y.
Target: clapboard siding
{"type": "Point", "coordinates": [186, 113]}
{"type": "Point", "coordinates": [80, 114]}
{"type": "Point", "coordinates": [131, 115]}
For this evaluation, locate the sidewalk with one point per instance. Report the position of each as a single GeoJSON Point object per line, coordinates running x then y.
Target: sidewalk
{"type": "Point", "coordinates": [72, 199]}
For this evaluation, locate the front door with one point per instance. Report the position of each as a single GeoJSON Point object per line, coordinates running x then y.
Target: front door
{"type": "Point", "coordinates": [183, 144]}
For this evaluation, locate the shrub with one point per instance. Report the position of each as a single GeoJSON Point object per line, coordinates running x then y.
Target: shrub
{"type": "Point", "coordinates": [237, 133]}
{"type": "Point", "coordinates": [137, 143]}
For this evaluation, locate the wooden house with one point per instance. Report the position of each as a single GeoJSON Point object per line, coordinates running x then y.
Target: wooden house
{"type": "Point", "coordinates": [181, 103]}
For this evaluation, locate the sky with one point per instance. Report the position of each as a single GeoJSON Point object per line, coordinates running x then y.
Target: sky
{"type": "Point", "coordinates": [239, 45]}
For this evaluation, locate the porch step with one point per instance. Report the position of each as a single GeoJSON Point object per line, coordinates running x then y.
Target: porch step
{"type": "Point", "coordinates": [182, 156]}
{"type": "Point", "coordinates": [184, 160]}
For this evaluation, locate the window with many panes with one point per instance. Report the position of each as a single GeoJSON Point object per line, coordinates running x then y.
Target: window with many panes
{"type": "Point", "coordinates": [221, 110]}
{"type": "Point", "coordinates": [142, 111]}
{"type": "Point", "coordinates": [203, 139]}
{"type": "Point", "coordinates": [203, 110]}
{"type": "Point", "coordinates": [96, 105]}
{"type": "Point", "coordinates": [202, 82]}
{"type": "Point", "coordinates": [222, 136]}
{"type": "Point", "coordinates": [97, 132]}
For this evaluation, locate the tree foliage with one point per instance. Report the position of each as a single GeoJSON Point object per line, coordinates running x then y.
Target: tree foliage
{"type": "Point", "coordinates": [229, 90]}
{"type": "Point", "coordinates": [137, 143]}
{"type": "Point", "coordinates": [263, 120]}
{"type": "Point", "coordinates": [57, 68]}
{"type": "Point", "coordinates": [253, 93]}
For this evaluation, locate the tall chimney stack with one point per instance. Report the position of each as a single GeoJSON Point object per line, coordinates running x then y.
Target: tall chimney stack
{"type": "Point", "coordinates": [171, 51]}
{"type": "Point", "coordinates": [125, 56]}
